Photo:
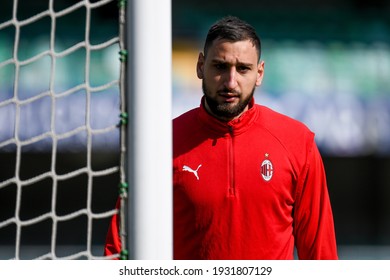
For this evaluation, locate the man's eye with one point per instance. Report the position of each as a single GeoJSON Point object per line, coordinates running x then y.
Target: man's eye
{"type": "Point", "coordinates": [242, 69]}
{"type": "Point", "coordinates": [220, 66]}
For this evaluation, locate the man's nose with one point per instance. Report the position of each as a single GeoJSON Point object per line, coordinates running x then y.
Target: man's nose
{"type": "Point", "coordinates": [231, 78]}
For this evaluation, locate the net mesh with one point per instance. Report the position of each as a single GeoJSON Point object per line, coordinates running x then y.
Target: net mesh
{"type": "Point", "coordinates": [61, 110]}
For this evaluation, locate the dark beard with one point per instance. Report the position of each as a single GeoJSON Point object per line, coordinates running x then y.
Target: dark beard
{"type": "Point", "coordinates": [225, 110]}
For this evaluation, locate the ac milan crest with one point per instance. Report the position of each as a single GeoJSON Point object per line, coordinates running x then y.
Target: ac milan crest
{"type": "Point", "coordinates": [267, 169]}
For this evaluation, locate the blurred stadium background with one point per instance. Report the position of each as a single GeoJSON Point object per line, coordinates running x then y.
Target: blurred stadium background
{"type": "Point", "coordinates": [327, 64]}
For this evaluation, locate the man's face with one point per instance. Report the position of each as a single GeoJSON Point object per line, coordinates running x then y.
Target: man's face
{"type": "Point", "coordinates": [230, 74]}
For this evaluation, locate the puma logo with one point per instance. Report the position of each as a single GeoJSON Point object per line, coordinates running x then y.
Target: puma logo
{"type": "Point", "coordinates": [189, 169]}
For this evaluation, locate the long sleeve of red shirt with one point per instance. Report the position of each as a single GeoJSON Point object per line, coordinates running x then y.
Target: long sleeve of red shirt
{"type": "Point", "coordinates": [313, 218]}
{"type": "Point", "coordinates": [113, 242]}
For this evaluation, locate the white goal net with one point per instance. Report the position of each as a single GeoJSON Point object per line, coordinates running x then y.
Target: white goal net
{"type": "Point", "coordinates": [61, 110]}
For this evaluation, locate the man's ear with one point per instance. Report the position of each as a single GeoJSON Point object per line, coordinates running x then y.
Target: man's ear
{"type": "Point", "coordinates": [199, 66]}
{"type": "Point", "coordinates": [260, 73]}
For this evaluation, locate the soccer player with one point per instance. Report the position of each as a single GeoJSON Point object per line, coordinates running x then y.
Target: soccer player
{"type": "Point", "coordinates": [248, 182]}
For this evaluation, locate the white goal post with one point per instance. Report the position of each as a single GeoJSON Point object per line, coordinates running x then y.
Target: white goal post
{"type": "Point", "coordinates": [150, 152]}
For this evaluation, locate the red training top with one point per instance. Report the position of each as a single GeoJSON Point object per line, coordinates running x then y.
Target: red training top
{"type": "Point", "coordinates": [251, 188]}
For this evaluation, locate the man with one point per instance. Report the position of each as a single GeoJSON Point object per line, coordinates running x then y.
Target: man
{"type": "Point", "coordinates": [248, 183]}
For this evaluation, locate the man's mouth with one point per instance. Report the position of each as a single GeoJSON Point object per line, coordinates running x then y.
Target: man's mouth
{"type": "Point", "coordinates": [228, 96]}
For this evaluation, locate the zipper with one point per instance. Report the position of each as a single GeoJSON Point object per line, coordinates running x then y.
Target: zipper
{"type": "Point", "coordinates": [232, 187]}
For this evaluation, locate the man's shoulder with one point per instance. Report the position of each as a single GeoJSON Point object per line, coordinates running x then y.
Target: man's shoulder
{"type": "Point", "coordinates": [186, 125]}
{"type": "Point", "coordinates": [281, 125]}
{"type": "Point", "coordinates": [293, 135]}
{"type": "Point", "coordinates": [185, 118]}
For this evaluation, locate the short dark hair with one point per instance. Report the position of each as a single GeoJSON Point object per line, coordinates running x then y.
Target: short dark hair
{"type": "Point", "coordinates": [232, 29]}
